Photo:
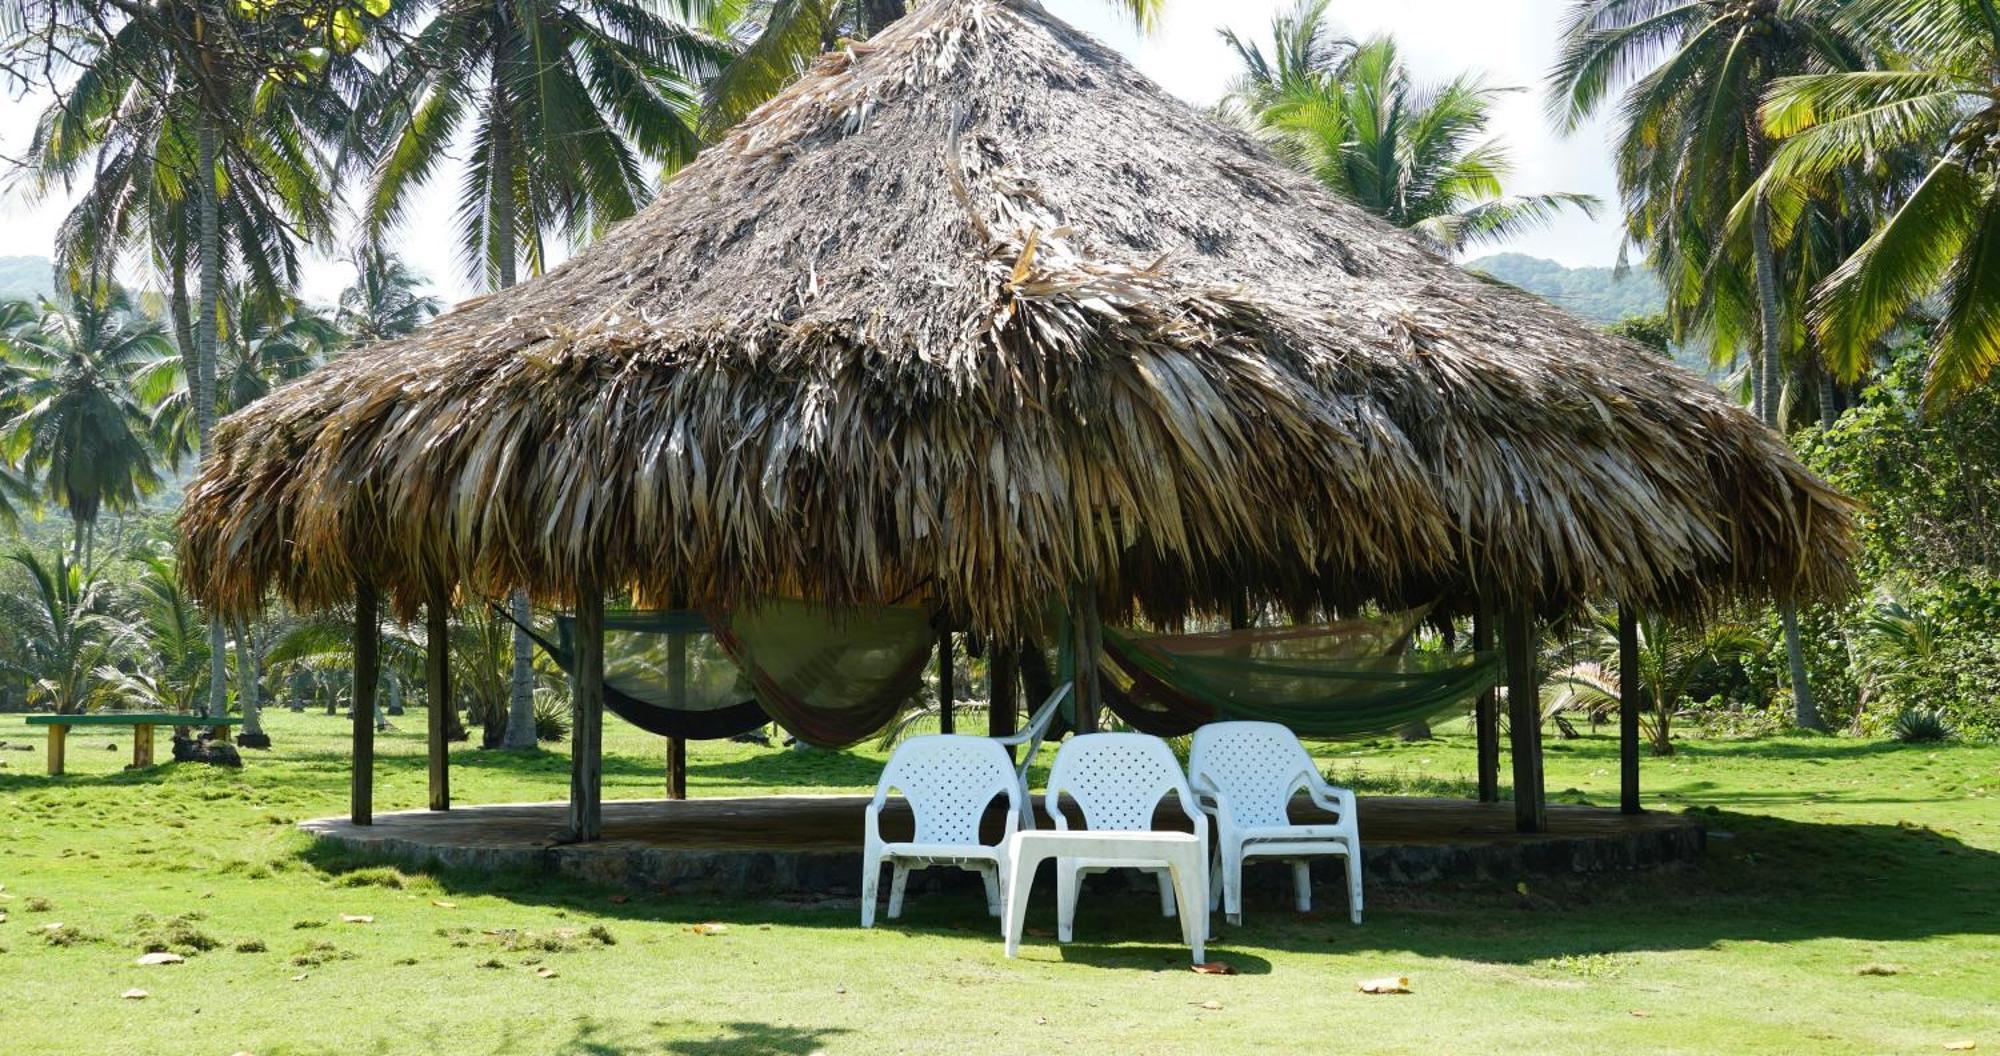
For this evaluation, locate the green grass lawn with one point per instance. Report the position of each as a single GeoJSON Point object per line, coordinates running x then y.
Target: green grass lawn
{"type": "Point", "coordinates": [1850, 902]}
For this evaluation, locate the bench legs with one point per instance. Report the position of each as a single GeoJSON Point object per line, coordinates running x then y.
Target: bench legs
{"type": "Point", "coordinates": [57, 735]}
{"type": "Point", "coordinates": [142, 747]}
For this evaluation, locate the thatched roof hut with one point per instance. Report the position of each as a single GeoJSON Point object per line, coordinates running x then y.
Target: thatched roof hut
{"type": "Point", "coordinates": [976, 309]}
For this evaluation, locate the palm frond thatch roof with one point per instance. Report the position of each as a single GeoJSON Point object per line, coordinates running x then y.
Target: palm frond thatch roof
{"type": "Point", "coordinates": [976, 309]}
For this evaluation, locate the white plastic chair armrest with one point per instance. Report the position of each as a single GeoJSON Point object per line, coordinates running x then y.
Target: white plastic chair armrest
{"type": "Point", "coordinates": [1038, 723]}
{"type": "Point", "coordinates": [1329, 797]}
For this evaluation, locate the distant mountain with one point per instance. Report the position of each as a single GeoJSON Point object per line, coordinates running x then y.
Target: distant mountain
{"type": "Point", "coordinates": [26, 277]}
{"type": "Point", "coordinates": [1597, 294]}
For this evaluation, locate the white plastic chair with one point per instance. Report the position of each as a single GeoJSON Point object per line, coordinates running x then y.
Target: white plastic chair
{"type": "Point", "coordinates": [1030, 737]}
{"type": "Point", "coordinates": [1246, 774]}
{"type": "Point", "coordinates": [948, 780]}
{"type": "Point", "coordinates": [1117, 781]}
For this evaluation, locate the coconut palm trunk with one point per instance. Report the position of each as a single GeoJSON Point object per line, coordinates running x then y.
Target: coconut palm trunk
{"type": "Point", "coordinates": [1804, 710]}
{"type": "Point", "coordinates": [500, 221]}
{"type": "Point", "coordinates": [249, 665]}
{"type": "Point", "coordinates": [208, 299]}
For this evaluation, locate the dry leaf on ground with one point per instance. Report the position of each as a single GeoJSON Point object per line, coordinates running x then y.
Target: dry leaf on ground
{"type": "Point", "coordinates": [1388, 984]}
{"type": "Point", "coordinates": [135, 994]}
{"type": "Point", "coordinates": [1211, 1005]}
{"type": "Point", "coordinates": [709, 928]}
{"type": "Point", "coordinates": [1961, 1045]}
{"type": "Point", "coordinates": [161, 958]}
{"type": "Point", "coordinates": [1215, 968]}
{"type": "Point", "coordinates": [356, 918]}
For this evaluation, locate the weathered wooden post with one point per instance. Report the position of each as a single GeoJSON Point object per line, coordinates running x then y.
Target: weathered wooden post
{"type": "Point", "coordinates": [367, 671]}
{"type": "Point", "coordinates": [947, 693]}
{"type": "Point", "coordinates": [1486, 712]}
{"type": "Point", "coordinates": [1003, 691]}
{"type": "Point", "coordinates": [677, 688]}
{"type": "Point", "coordinates": [437, 686]}
{"type": "Point", "coordinates": [586, 764]}
{"type": "Point", "coordinates": [1524, 719]}
{"type": "Point", "coordinates": [1630, 701]}
{"type": "Point", "coordinates": [1088, 644]}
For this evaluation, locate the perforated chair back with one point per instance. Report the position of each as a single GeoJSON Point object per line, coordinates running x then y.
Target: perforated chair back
{"type": "Point", "coordinates": [1117, 780]}
{"type": "Point", "coordinates": [1258, 766]}
{"type": "Point", "coordinates": [949, 781]}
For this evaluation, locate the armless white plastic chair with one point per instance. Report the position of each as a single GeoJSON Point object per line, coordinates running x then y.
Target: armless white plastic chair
{"type": "Point", "coordinates": [948, 781]}
{"type": "Point", "coordinates": [1246, 774]}
{"type": "Point", "coordinates": [1117, 781]}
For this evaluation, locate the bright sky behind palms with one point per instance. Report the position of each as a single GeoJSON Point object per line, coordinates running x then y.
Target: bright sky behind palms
{"type": "Point", "coordinates": [1511, 41]}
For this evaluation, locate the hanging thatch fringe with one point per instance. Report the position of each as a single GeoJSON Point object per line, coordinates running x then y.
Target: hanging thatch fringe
{"type": "Point", "coordinates": [977, 305]}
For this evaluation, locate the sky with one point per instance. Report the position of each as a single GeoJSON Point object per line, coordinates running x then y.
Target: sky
{"type": "Point", "coordinates": [1511, 42]}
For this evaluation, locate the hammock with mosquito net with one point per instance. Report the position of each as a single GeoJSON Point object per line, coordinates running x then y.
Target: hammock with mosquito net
{"type": "Point", "coordinates": [834, 678]}
{"type": "Point", "coordinates": [1353, 678]}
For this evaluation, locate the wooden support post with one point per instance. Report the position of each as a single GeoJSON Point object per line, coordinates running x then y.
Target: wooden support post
{"type": "Point", "coordinates": [367, 673]}
{"type": "Point", "coordinates": [1003, 691]}
{"type": "Point", "coordinates": [58, 736]}
{"type": "Point", "coordinates": [437, 681]}
{"type": "Point", "coordinates": [586, 763]}
{"type": "Point", "coordinates": [142, 746]}
{"type": "Point", "coordinates": [947, 693]}
{"type": "Point", "coordinates": [1524, 720]}
{"type": "Point", "coordinates": [1239, 611]}
{"type": "Point", "coordinates": [1630, 701]}
{"type": "Point", "coordinates": [677, 688]}
{"type": "Point", "coordinates": [1486, 713]}
{"type": "Point", "coordinates": [1089, 694]}
{"type": "Point", "coordinates": [677, 768]}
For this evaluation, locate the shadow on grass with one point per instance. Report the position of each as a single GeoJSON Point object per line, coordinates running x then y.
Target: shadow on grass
{"type": "Point", "coordinates": [1764, 879]}
{"type": "Point", "coordinates": [728, 1039]}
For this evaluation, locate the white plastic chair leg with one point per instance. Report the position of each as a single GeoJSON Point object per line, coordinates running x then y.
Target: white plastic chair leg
{"type": "Point", "coordinates": [1353, 859]}
{"type": "Point", "coordinates": [1165, 878]}
{"type": "Point", "coordinates": [990, 875]}
{"type": "Point", "coordinates": [1215, 882]}
{"type": "Point", "coordinates": [1302, 891]}
{"type": "Point", "coordinates": [1068, 880]}
{"type": "Point", "coordinates": [1232, 888]}
{"type": "Point", "coordinates": [901, 876]}
{"type": "Point", "coordinates": [871, 880]}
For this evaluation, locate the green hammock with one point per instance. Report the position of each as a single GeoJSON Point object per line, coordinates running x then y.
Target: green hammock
{"type": "Point", "coordinates": [1352, 679]}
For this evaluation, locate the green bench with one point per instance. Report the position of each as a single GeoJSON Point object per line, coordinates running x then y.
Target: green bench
{"type": "Point", "coordinates": [142, 731]}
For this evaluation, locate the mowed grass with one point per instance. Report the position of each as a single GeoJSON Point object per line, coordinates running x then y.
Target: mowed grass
{"type": "Point", "coordinates": [1849, 903]}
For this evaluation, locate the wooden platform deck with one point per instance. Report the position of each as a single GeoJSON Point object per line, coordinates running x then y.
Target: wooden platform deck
{"type": "Point", "coordinates": [800, 845]}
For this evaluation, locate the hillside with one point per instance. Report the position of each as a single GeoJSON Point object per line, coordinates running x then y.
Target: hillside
{"type": "Point", "coordinates": [1597, 294]}
{"type": "Point", "coordinates": [25, 277]}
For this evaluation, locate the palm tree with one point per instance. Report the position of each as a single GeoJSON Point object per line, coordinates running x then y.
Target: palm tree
{"type": "Point", "coordinates": [77, 424]}
{"type": "Point", "coordinates": [782, 37]}
{"type": "Point", "coordinates": [170, 666]}
{"type": "Point", "coordinates": [1305, 50]}
{"type": "Point", "coordinates": [1417, 157]}
{"type": "Point", "coordinates": [268, 341]}
{"type": "Point", "coordinates": [1935, 98]}
{"type": "Point", "coordinates": [383, 301]}
{"type": "Point", "coordinates": [565, 101]}
{"type": "Point", "coordinates": [1670, 660]}
{"type": "Point", "coordinates": [197, 127]}
{"type": "Point", "coordinates": [65, 633]}
{"type": "Point", "coordinates": [1692, 145]}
